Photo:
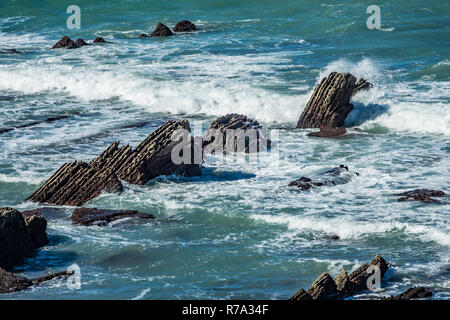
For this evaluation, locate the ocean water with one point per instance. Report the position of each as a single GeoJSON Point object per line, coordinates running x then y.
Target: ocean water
{"type": "Point", "coordinates": [237, 232]}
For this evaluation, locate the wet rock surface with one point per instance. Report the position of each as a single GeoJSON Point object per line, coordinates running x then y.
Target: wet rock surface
{"type": "Point", "coordinates": [423, 195]}
{"type": "Point", "coordinates": [65, 43]}
{"type": "Point", "coordinates": [328, 133]}
{"type": "Point", "coordinates": [19, 236]}
{"type": "Point", "coordinates": [78, 182]}
{"type": "Point", "coordinates": [184, 26]}
{"type": "Point", "coordinates": [413, 293]}
{"type": "Point", "coordinates": [330, 103]}
{"type": "Point", "coordinates": [94, 216]}
{"type": "Point", "coordinates": [161, 31]}
{"type": "Point", "coordinates": [244, 135]}
{"type": "Point", "coordinates": [330, 177]}
{"type": "Point", "coordinates": [325, 288]}
{"type": "Point", "coordinates": [100, 40]}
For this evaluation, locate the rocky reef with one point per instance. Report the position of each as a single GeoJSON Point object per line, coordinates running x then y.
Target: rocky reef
{"type": "Point", "coordinates": [94, 216]}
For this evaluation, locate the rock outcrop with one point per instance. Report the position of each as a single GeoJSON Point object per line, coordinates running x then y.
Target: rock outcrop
{"type": "Point", "coordinates": [78, 182]}
{"type": "Point", "coordinates": [184, 26]}
{"type": "Point", "coordinates": [330, 177]}
{"type": "Point", "coordinates": [65, 43]}
{"type": "Point", "coordinates": [94, 216]}
{"type": "Point", "coordinates": [413, 293]}
{"type": "Point", "coordinates": [325, 288]}
{"type": "Point", "coordinates": [11, 283]}
{"type": "Point", "coordinates": [161, 31]}
{"type": "Point", "coordinates": [235, 133]}
{"type": "Point", "coordinates": [99, 40]}
{"type": "Point", "coordinates": [423, 195]}
{"type": "Point", "coordinates": [330, 103]}
{"type": "Point", "coordinates": [19, 236]}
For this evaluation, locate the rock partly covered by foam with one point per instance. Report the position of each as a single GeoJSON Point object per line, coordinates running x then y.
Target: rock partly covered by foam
{"type": "Point", "coordinates": [99, 40]}
{"type": "Point", "coordinates": [161, 31]}
{"type": "Point", "coordinates": [328, 133]}
{"type": "Point", "coordinates": [78, 182]}
{"type": "Point", "coordinates": [184, 26]}
{"type": "Point", "coordinates": [344, 285]}
{"type": "Point", "coordinates": [19, 236]}
{"type": "Point", "coordinates": [65, 43]}
{"type": "Point", "coordinates": [11, 283]}
{"type": "Point", "coordinates": [330, 177]}
{"type": "Point", "coordinates": [330, 103]}
{"type": "Point", "coordinates": [91, 216]}
{"type": "Point", "coordinates": [235, 133]}
{"type": "Point", "coordinates": [424, 195]}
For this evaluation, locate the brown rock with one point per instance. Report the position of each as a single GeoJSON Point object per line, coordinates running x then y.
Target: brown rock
{"type": "Point", "coordinates": [143, 35]}
{"type": "Point", "coordinates": [360, 276]}
{"type": "Point", "coordinates": [329, 178]}
{"type": "Point", "coordinates": [344, 286]}
{"type": "Point", "coordinates": [413, 293]}
{"type": "Point", "coordinates": [301, 295]}
{"type": "Point", "coordinates": [65, 43]}
{"type": "Point", "coordinates": [361, 85]}
{"type": "Point", "coordinates": [423, 195]}
{"type": "Point", "coordinates": [91, 216]}
{"type": "Point", "coordinates": [330, 102]}
{"type": "Point", "coordinates": [12, 283]}
{"type": "Point", "coordinates": [51, 276]}
{"type": "Point", "coordinates": [246, 135]}
{"type": "Point", "coordinates": [161, 31]}
{"type": "Point", "coordinates": [323, 288]}
{"type": "Point", "coordinates": [80, 43]}
{"type": "Point", "coordinates": [328, 133]}
{"type": "Point", "coordinates": [184, 26]}
{"type": "Point", "coordinates": [99, 40]}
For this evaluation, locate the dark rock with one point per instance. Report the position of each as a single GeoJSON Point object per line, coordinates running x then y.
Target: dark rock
{"type": "Point", "coordinates": [9, 51]}
{"type": "Point", "coordinates": [330, 177]}
{"type": "Point", "coordinates": [161, 31]}
{"type": "Point", "coordinates": [143, 35]}
{"type": "Point", "coordinates": [66, 43]}
{"type": "Point", "coordinates": [37, 226]}
{"type": "Point", "coordinates": [78, 182]}
{"type": "Point", "coordinates": [184, 26]}
{"type": "Point", "coordinates": [423, 195]}
{"type": "Point", "coordinates": [33, 123]}
{"type": "Point", "coordinates": [81, 43]}
{"type": "Point", "coordinates": [413, 293]}
{"type": "Point", "coordinates": [15, 242]}
{"type": "Point", "coordinates": [328, 133]}
{"type": "Point", "coordinates": [301, 295]}
{"type": "Point", "coordinates": [12, 283]}
{"type": "Point", "coordinates": [361, 85]}
{"type": "Point", "coordinates": [330, 102]}
{"type": "Point", "coordinates": [246, 134]}
{"type": "Point", "coordinates": [334, 237]}
{"type": "Point", "coordinates": [381, 263]}
{"type": "Point", "coordinates": [323, 288]}
{"type": "Point", "coordinates": [51, 276]}
{"type": "Point", "coordinates": [90, 216]}
{"type": "Point", "coordinates": [99, 40]}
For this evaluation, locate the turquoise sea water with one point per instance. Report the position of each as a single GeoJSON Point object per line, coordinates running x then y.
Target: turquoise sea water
{"type": "Point", "coordinates": [237, 231]}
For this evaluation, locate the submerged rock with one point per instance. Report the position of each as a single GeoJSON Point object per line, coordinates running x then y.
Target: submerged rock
{"type": "Point", "coordinates": [423, 195]}
{"type": "Point", "coordinates": [330, 103]}
{"type": "Point", "coordinates": [243, 134]}
{"type": "Point", "coordinates": [161, 31]}
{"type": "Point", "coordinates": [65, 43]}
{"type": "Point", "coordinates": [99, 40]}
{"type": "Point", "coordinates": [184, 26]}
{"type": "Point", "coordinates": [78, 182]}
{"type": "Point", "coordinates": [143, 35]}
{"type": "Point", "coordinates": [322, 288]}
{"type": "Point", "coordinates": [81, 43]}
{"type": "Point", "coordinates": [413, 293]}
{"type": "Point", "coordinates": [91, 216]}
{"type": "Point", "coordinates": [328, 133]}
{"type": "Point", "coordinates": [9, 51]}
{"type": "Point", "coordinates": [330, 177]}
{"type": "Point", "coordinates": [33, 123]}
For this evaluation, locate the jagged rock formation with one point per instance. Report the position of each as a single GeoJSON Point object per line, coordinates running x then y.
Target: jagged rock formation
{"type": "Point", "coordinates": [246, 135]}
{"type": "Point", "coordinates": [19, 236]}
{"type": "Point", "coordinates": [184, 26]}
{"type": "Point", "coordinates": [330, 103]}
{"type": "Point", "coordinates": [423, 195]}
{"type": "Point", "coordinates": [161, 31]}
{"type": "Point", "coordinates": [78, 182]}
{"type": "Point", "coordinates": [344, 285]}
{"type": "Point", "coordinates": [91, 216]}
{"type": "Point", "coordinates": [330, 177]}
{"type": "Point", "coordinates": [81, 43]}
{"type": "Point", "coordinates": [12, 283]}
{"type": "Point", "coordinates": [65, 43]}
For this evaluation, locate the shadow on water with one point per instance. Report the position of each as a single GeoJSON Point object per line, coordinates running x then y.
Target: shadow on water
{"type": "Point", "coordinates": [362, 113]}
{"type": "Point", "coordinates": [216, 174]}
{"type": "Point", "coordinates": [125, 258]}
{"type": "Point", "coordinates": [43, 260]}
